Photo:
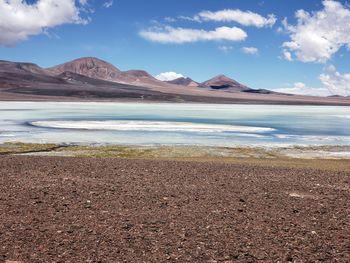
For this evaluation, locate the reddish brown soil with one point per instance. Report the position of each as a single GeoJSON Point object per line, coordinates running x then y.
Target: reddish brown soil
{"type": "Point", "coordinates": [114, 210]}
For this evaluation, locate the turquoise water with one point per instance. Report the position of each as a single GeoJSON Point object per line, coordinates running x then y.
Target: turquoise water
{"type": "Point", "coordinates": [174, 124]}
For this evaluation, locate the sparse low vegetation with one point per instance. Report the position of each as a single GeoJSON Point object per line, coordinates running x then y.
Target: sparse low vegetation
{"type": "Point", "coordinates": [286, 157]}
{"type": "Point", "coordinates": [18, 147]}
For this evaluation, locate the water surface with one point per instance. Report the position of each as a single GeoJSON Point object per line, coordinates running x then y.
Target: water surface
{"type": "Point", "coordinates": [174, 124]}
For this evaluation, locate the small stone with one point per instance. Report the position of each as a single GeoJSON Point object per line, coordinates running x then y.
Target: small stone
{"type": "Point", "coordinates": [88, 204]}
{"type": "Point", "coordinates": [128, 226]}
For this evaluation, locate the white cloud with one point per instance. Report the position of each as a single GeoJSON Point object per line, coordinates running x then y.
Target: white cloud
{"type": "Point", "coordinates": [187, 35]}
{"type": "Point", "coordinates": [83, 2]}
{"type": "Point", "coordinates": [300, 88]}
{"type": "Point", "coordinates": [190, 18]}
{"type": "Point", "coordinates": [246, 18]}
{"type": "Point", "coordinates": [335, 82]}
{"type": "Point", "coordinates": [250, 50]}
{"type": "Point", "coordinates": [168, 76]}
{"type": "Point", "coordinates": [19, 20]}
{"type": "Point", "coordinates": [287, 55]}
{"type": "Point", "coordinates": [108, 4]}
{"type": "Point", "coordinates": [226, 49]}
{"type": "Point", "coordinates": [317, 36]}
{"type": "Point", "coordinates": [170, 19]}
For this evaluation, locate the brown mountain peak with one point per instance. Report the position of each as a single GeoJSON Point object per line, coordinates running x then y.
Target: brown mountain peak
{"type": "Point", "coordinates": [88, 66]}
{"type": "Point", "coordinates": [222, 82]}
{"type": "Point", "coordinates": [184, 82]}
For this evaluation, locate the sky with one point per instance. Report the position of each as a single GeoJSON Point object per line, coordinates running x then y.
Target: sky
{"type": "Point", "coordinates": [294, 46]}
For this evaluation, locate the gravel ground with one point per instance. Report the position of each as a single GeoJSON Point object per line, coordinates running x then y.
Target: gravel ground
{"type": "Point", "coordinates": [61, 209]}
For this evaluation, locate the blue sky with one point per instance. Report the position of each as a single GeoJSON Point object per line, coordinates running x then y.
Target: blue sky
{"type": "Point", "coordinates": [111, 30]}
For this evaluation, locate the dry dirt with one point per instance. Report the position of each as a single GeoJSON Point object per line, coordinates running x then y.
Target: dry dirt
{"type": "Point", "coordinates": [61, 209]}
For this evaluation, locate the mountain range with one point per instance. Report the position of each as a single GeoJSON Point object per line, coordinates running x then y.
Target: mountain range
{"type": "Point", "coordinates": [94, 79]}
{"type": "Point", "coordinates": [99, 69]}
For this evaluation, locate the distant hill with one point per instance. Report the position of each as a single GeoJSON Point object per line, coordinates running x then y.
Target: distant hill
{"type": "Point", "coordinates": [99, 69]}
{"type": "Point", "coordinates": [90, 67]}
{"type": "Point", "coordinates": [184, 82]}
{"type": "Point", "coordinates": [20, 72]}
{"type": "Point", "coordinates": [221, 82]}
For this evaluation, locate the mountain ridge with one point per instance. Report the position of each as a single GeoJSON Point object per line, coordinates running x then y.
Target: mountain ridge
{"type": "Point", "coordinates": [28, 81]}
{"type": "Point", "coordinates": [97, 68]}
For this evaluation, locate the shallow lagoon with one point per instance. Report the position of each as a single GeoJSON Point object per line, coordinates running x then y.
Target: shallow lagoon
{"type": "Point", "coordinates": [174, 124]}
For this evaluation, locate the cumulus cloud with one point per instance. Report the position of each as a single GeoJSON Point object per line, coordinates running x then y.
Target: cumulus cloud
{"type": "Point", "coordinates": [300, 88]}
{"type": "Point", "coordinates": [317, 36]}
{"type": "Point", "coordinates": [250, 50]}
{"type": "Point", "coordinates": [168, 76]}
{"type": "Point", "coordinates": [187, 35]}
{"type": "Point", "coordinates": [20, 20]}
{"type": "Point", "coordinates": [246, 18]}
{"type": "Point", "coordinates": [335, 82]}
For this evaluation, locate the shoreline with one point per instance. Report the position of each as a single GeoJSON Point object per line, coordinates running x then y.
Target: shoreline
{"type": "Point", "coordinates": [210, 98]}
{"type": "Point", "coordinates": [257, 103]}
{"type": "Point", "coordinates": [321, 157]}
{"type": "Point", "coordinates": [345, 102]}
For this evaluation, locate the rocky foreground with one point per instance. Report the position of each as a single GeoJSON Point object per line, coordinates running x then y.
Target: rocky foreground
{"type": "Point", "coordinates": [59, 209]}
